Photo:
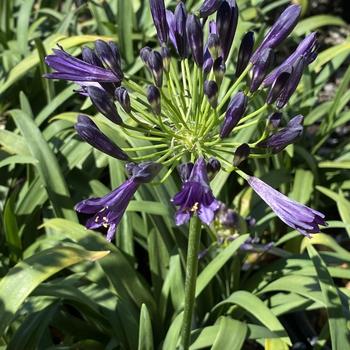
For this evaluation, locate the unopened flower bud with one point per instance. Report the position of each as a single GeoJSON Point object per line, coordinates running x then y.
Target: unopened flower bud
{"type": "Point", "coordinates": [104, 103]}
{"type": "Point", "coordinates": [234, 113]}
{"type": "Point", "coordinates": [278, 85]}
{"type": "Point", "coordinates": [153, 97]}
{"type": "Point", "coordinates": [144, 54]}
{"type": "Point", "coordinates": [155, 64]}
{"type": "Point", "coordinates": [260, 69]}
{"type": "Point", "coordinates": [274, 120]}
{"type": "Point", "coordinates": [209, 7]}
{"type": "Point", "coordinates": [213, 167]}
{"type": "Point", "coordinates": [122, 96]}
{"type": "Point", "coordinates": [219, 68]}
{"type": "Point", "coordinates": [159, 20]}
{"type": "Point", "coordinates": [211, 91]}
{"type": "Point", "coordinates": [185, 170]}
{"type": "Point", "coordinates": [245, 52]}
{"type": "Point", "coordinates": [165, 52]}
{"type": "Point", "coordinates": [241, 154]}
{"type": "Point", "coordinates": [195, 38]}
{"type": "Point", "coordinates": [214, 45]}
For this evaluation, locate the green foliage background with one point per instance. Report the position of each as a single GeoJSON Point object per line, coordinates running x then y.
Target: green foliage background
{"type": "Point", "coordinates": [61, 289]}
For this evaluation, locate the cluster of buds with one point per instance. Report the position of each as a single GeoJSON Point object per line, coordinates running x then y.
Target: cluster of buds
{"type": "Point", "coordinates": [186, 117]}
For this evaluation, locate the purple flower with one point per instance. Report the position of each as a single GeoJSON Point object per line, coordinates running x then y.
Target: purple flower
{"type": "Point", "coordinates": [279, 85]}
{"type": "Point", "coordinates": [159, 19]}
{"type": "Point", "coordinates": [208, 59]}
{"type": "Point", "coordinates": [70, 68]}
{"type": "Point", "coordinates": [90, 133]}
{"type": "Point", "coordinates": [307, 48]}
{"type": "Point", "coordinates": [122, 96]}
{"type": "Point", "coordinates": [154, 99]}
{"type": "Point", "coordinates": [242, 153]}
{"type": "Point", "coordinates": [288, 135]}
{"type": "Point", "coordinates": [196, 196]}
{"type": "Point", "coordinates": [180, 17]}
{"type": "Point", "coordinates": [194, 33]}
{"type": "Point", "coordinates": [211, 91]}
{"type": "Point", "coordinates": [155, 64]}
{"type": "Point", "coordinates": [280, 30]}
{"type": "Point", "coordinates": [294, 214]}
{"type": "Point", "coordinates": [209, 7]}
{"type": "Point", "coordinates": [226, 21]}
{"type": "Point", "coordinates": [107, 211]}
{"type": "Point", "coordinates": [234, 113]}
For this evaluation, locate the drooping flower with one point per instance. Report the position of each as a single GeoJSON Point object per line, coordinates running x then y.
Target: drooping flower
{"type": "Point", "coordinates": [107, 211]}
{"type": "Point", "coordinates": [296, 215]}
{"type": "Point", "coordinates": [159, 19]}
{"type": "Point", "coordinates": [196, 196]}
{"type": "Point", "coordinates": [71, 68]}
{"type": "Point", "coordinates": [90, 133]}
{"type": "Point", "coordinates": [234, 113]}
{"type": "Point", "coordinates": [279, 31]}
{"type": "Point", "coordinates": [288, 135]}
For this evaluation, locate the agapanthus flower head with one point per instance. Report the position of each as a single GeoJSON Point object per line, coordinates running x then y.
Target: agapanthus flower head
{"type": "Point", "coordinates": [286, 136]}
{"type": "Point", "coordinates": [294, 214]}
{"type": "Point", "coordinates": [159, 20]}
{"type": "Point", "coordinates": [279, 31]}
{"type": "Point", "coordinates": [74, 69]}
{"type": "Point", "coordinates": [90, 133]}
{"type": "Point", "coordinates": [108, 211]}
{"type": "Point", "coordinates": [196, 197]}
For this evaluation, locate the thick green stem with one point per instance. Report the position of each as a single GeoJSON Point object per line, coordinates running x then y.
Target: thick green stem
{"type": "Point", "coordinates": [191, 278]}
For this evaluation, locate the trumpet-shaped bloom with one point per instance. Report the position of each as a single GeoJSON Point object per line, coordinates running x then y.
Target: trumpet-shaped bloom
{"type": "Point", "coordinates": [107, 211]}
{"type": "Point", "coordinates": [195, 196]}
{"type": "Point", "coordinates": [296, 215]}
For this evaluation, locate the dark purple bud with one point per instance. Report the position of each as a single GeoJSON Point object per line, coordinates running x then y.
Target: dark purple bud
{"type": "Point", "coordinates": [260, 69]}
{"type": "Point", "coordinates": [219, 69]}
{"type": "Point", "coordinates": [214, 45]}
{"type": "Point", "coordinates": [213, 167]}
{"type": "Point", "coordinates": [211, 91]}
{"type": "Point", "coordinates": [104, 103]}
{"type": "Point", "coordinates": [90, 133]}
{"type": "Point", "coordinates": [153, 97]}
{"type": "Point", "coordinates": [245, 52]}
{"type": "Point", "coordinates": [144, 172]}
{"type": "Point", "coordinates": [286, 136]}
{"type": "Point", "coordinates": [278, 85]}
{"type": "Point", "coordinates": [307, 49]}
{"type": "Point", "coordinates": [209, 7]}
{"type": "Point", "coordinates": [165, 52]}
{"type": "Point", "coordinates": [207, 62]}
{"type": "Point", "coordinates": [90, 56]}
{"type": "Point", "coordinates": [292, 83]}
{"type": "Point", "coordinates": [280, 30]}
{"type": "Point", "coordinates": [241, 154]}
{"type": "Point", "coordinates": [274, 120]}
{"type": "Point", "coordinates": [195, 38]}
{"type": "Point", "coordinates": [234, 113]}
{"type": "Point", "coordinates": [144, 54]}
{"type": "Point", "coordinates": [109, 55]}
{"type": "Point", "coordinates": [185, 170]}
{"type": "Point", "coordinates": [170, 18]}
{"type": "Point", "coordinates": [294, 214]}
{"type": "Point", "coordinates": [226, 21]}
{"type": "Point", "coordinates": [155, 64]}
{"type": "Point", "coordinates": [159, 19]}
{"type": "Point", "coordinates": [122, 96]}
{"type": "Point", "coordinates": [180, 30]}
